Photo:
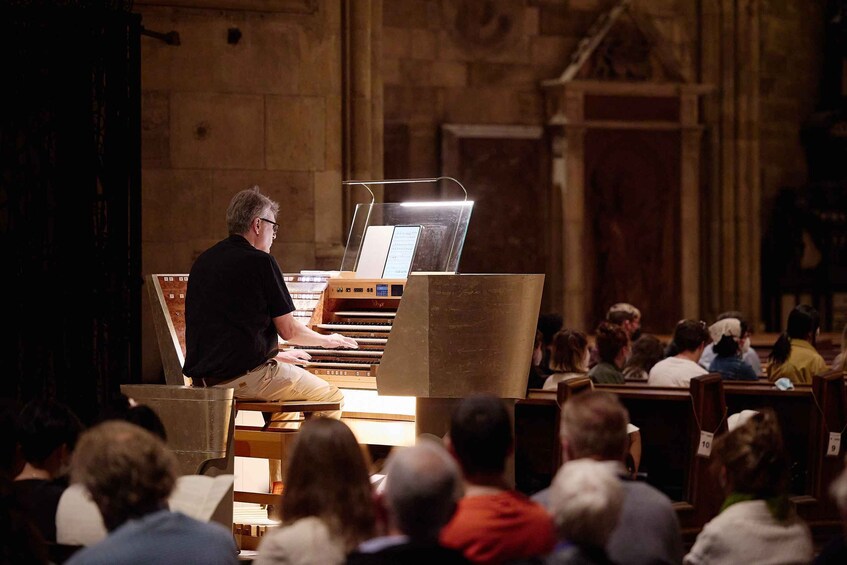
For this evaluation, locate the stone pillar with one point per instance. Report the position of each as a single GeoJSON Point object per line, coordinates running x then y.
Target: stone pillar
{"type": "Point", "coordinates": [730, 60]}
{"type": "Point", "coordinates": [362, 114]}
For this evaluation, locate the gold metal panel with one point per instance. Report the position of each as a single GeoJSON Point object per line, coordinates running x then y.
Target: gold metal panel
{"type": "Point", "coordinates": [459, 334]}
{"type": "Point", "coordinates": [197, 420]}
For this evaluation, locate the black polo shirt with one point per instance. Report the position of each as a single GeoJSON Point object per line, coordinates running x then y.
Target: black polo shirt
{"type": "Point", "coordinates": [234, 293]}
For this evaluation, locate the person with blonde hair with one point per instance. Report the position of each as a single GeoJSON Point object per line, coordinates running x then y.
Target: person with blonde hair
{"type": "Point", "coordinates": [327, 501]}
{"type": "Point", "coordinates": [586, 499]}
{"type": "Point", "coordinates": [757, 523]}
{"type": "Point", "coordinates": [130, 473]}
{"type": "Point", "coordinates": [569, 359]}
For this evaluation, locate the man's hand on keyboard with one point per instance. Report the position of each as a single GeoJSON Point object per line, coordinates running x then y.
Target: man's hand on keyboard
{"type": "Point", "coordinates": [338, 340]}
{"type": "Point", "coordinates": [296, 356]}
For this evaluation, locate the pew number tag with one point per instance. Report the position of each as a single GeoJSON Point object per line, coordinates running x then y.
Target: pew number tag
{"type": "Point", "coordinates": [834, 447]}
{"type": "Point", "coordinates": [704, 449]}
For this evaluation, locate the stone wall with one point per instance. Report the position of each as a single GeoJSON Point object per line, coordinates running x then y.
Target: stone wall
{"type": "Point", "coordinates": [219, 115]}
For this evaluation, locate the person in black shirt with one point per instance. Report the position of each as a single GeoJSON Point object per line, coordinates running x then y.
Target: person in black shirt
{"type": "Point", "coordinates": [236, 305]}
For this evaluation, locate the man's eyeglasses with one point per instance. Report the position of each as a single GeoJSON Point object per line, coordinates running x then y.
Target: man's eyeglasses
{"type": "Point", "coordinates": [276, 225]}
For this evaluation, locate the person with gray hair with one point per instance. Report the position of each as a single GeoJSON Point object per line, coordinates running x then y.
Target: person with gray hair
{"type": "Point", "coordinates": [130, 474]}
{"type": "Point", "coordinates": [594, 426]}
{"type": "Point", "coordinates": [421, 487]}
{"type": "Point", "coordinates": [585, 500]}
{"type": "Point", "coordinates": [237, 307]}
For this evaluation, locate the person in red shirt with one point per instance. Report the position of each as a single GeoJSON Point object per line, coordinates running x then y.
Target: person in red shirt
{"type": "Point", "coordinates": [493, 522]}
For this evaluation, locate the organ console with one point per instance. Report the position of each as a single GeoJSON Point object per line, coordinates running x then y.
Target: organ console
{"type": "Point", "coordinates": [425, 340]}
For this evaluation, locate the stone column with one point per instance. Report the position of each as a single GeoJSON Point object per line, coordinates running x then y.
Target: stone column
{"type": "Point", "coordinates": [362, 114]}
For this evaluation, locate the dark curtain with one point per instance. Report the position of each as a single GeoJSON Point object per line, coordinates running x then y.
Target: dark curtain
{"type": "Point", "coordinates": [70, 201]}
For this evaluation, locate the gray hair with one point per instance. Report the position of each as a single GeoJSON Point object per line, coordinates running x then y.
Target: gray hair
{"type": "Point", "coordinates": [595, 425]}
{"type": "Point", "coordinates": [245, 207]}
{"type": "Point", "coordinates": [586, 498]}
{"type": "Point", "coordinates": [422, 485]}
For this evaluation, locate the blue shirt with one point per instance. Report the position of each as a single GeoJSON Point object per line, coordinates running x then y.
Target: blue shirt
{"type": "Point", "coordinates": [733, 369]}
{"type": "Point", "coordinates": [162, 537]}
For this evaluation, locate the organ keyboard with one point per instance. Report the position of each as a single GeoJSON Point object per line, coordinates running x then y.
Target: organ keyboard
{"type": "Point", "coordinates": [362, 309]}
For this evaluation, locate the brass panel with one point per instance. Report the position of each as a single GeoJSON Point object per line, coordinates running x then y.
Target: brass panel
{"type": "Point", "coordinates": [459, 334]}
{"type": "Point", "coordinates": [197, 420]}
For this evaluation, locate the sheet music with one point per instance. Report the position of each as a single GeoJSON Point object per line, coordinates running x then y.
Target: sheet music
{"type": "Point", "coordinates": [374, 252]}
{"type": "Point", "coordinates": [401, 252]}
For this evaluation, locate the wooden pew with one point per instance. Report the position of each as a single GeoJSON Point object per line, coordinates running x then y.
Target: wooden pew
{"type": "Point", "coordinates": [807, 415]}
{"type": "Point", "coordinates": [670, 420]}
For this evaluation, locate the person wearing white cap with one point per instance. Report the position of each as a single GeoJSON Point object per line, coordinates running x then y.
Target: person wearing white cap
{"type": "Point", "coordinates": [748, 354]}
{"type": "Point", "coordinates": [726, 336]}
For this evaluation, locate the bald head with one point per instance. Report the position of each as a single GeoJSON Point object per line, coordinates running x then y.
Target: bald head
{"type": "Point", "coordinates": [422, 485]}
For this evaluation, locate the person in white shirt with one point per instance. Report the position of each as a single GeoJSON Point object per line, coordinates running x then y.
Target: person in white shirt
{"type": "Point", "coordinates": [690, 338]}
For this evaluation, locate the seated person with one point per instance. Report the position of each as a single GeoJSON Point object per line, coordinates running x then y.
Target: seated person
{"type": "Point", "coordinates": [549, 324]}
{"type": "Point", "coordinates": [47, 432]}
{"type": "Point", "coordinates": [594, 426]}
{"type": "Point", "coordinates": [586, 499]}
{"type": "Point", "coordinates": [421, 488]}
{"type": "Point", "coordinates": [612, 351]}
{"type": "Point", "coordinates": [327, 503]}
{"type": "Point", "coordinates": [569, 359]}
{"type": "Point", "coordinates": [646, 352]}
{"type": "Point", "coordinates": [536, 374]}
{"type": "Point", "coordinates": [758, 522]}
{"type": "Point", "coordinates": [689, 338]}
{"type": "Point", "coordinates": [727, 336]}
{"type": "Point", "coordinates": [237, 307]}
{"type": "Point", "coordinates": [627, 317]}
{"type": "Point", "coordinates": [794, 355]}
{"type": "Point", "coordinates": [493, 522]}
{"type": "Point", "coordinates": [130, 474]}
{"type": "Point", "coordinates": [748, 354]}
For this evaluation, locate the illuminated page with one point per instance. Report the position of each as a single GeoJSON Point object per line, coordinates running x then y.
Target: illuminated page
{"type": "Point", "coordinates": [401, 252]}
{"type": "Point", "coordinates": [374, 252]}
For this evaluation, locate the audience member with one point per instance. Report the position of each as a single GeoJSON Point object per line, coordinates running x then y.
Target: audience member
{"type": "Point", "coordinates": [689, 337]}
{"type": "Point", "coordinates": [549, 324]}
{"type": "Point", "coordinates": [327, 502]}
{"type": "Point", "coordinates": [794, 355]}
{"type": "Point", "coordinates": [612, 351]}
{"type": "Point", "coordinates": [626, 316]}
{"type": "Point", "coordinates": [47, 432]}
{"type": "Point", "coordinates": [585, 500]}
{"type": "Point", "coordinates": [835, 552]}
{"type": "Point", "coordinates": [422, 486]}
{"type": "Point", "coordinates": [78, 520]}
{"type": "Point", "coordinates": [594, 426]}
{"type": "Point", "coordinates": [646, 352]}
{"type": "Point", "coordinates": [536, 375]}
{"type": "Point", "coordinates": [748, 354]}
{"type": "Point", "coordinates": [727, 339]}
{"type": "Point", "coordinates": [569, 358]}
{"type": "Point", "coordinates": [130, 473]}
{"type": "Point", "coordinates": [493, 523]}
{"type": "Point", "coordinates": [757, 523]}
